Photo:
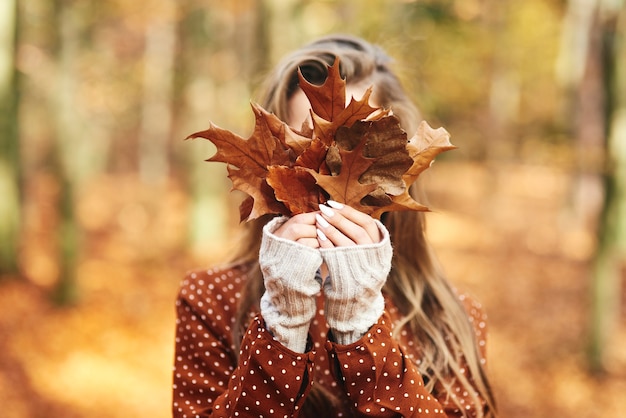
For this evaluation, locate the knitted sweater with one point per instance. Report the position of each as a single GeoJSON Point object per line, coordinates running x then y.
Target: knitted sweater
{"type": "Point", "coordinates": [374, 376]}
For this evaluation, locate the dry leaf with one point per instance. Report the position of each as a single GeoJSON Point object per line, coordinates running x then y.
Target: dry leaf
{"type": "Point", "coordinates": [345, 186]}
{"type": "Point", "coordinates": [386, 142]}
{"type": "Point", "coordinates": [355, 154]}
{"type": "Point", "coordinates": [296, 188]}
{"type": "Point", "coordinates": [424, 146]}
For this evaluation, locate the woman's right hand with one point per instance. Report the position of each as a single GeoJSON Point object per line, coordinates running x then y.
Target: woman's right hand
{"type": "Point", "coordinates": [301, 229]}
{"type": "Point", "coordinates": [289, 259]}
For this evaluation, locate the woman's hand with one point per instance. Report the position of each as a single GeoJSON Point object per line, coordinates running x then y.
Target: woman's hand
{"type": "Point", "coordinates": [301, 229]}
{"type": "Point", "coordinates": [289, 274]}
{"type": "Point", "coordinates": [357, 251]}
{"type": "Point", "coordinates": [339, 225]}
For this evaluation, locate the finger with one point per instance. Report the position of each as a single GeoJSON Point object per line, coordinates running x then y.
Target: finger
{"type": "Point", "coordinates": [341, 230]}
{"type": "Point", "coordinates": [294, 232]}
{"type": "Point", "coordinates": [309, 242]}
{"type": "Point", "coordinates": [303, 218]}
{"type": "Point", "coordinates": [323, 240]}
{"type": "Point", "coordinates": [298, 227]}
{"type": "Point", "coordinates": [337, 237]}
{"type": "Point", "coordinates": [363, 220]}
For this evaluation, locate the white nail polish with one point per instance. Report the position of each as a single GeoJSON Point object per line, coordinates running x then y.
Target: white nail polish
{"type": "Point", "coordinates": [321, 235]}
{"type": "Point", "coordinates": [334, 204]}
{"type": "Point", "coordinates": [326, 210]}
{"type": "Point", "coordinates": [323, 222]}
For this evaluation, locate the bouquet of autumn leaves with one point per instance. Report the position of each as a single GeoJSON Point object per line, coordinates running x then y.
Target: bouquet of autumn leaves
{"type": "Point", "coordinates": [354, 154]}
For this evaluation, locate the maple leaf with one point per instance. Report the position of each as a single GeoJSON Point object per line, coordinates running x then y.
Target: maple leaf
{"type": "Point", "coordinates": [386, 142]}
{"type": "Point", "coordinates": [262, 195]}
{"type": "Point", "coordinates": [403, 202]}
{"type": "Point", "coordinates": [329, 99]}
{"type": "Point", "coordinates": [355, 153]}
{"type": "Point", "coordinates": [345, 186]}
{"type": "Point", "coordinates": [328, 104]}
{"type": "Point", "coordinates": [296, 188]}
{"type": "Point", "coordinates": [423, 147]}
{"type": "Point", "coordinates": [251, 158]}
{"type": "Point", "coordinates": [314, 157]}
{"type": "Point", "coordinates": [283, 132]}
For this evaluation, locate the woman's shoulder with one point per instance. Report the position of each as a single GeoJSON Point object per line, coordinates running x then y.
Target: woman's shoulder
{"type": "Point", "coordinates": [215, 286]}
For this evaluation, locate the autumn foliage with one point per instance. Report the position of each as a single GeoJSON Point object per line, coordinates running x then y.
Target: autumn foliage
{"type": "Point", "coordinates": [355, 154]}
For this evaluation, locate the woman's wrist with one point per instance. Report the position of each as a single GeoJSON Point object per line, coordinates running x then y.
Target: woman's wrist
{"type": "Point", "coordinates": [288, 304]}
{"type": "Point", "coordinates": [353, 292]}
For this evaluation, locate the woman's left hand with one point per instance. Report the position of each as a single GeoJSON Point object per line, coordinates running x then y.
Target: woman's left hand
{"type": "Point", "coordinates": [357, 251]}
{"type": "Point", "coordinates": [339, 225]}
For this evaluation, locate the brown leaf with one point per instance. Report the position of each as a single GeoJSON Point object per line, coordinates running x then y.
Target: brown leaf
{"type": "Point", "coordinates": [329, 99]}
{"type": "Point", "coordinates": [423, 147]}
{"type": "Point", "coordinates": [245, 208]}
{"type": "Point", "coordinates": [263, 199]}
{"type": "Point", "coordinates": [333, 160]}
{"type": "Point", "coordinates": [283, 132]}
{"type": "Point", "coordinates": [255, 154]}
{"type": "Point", "coordinates": [386, 142]}
{"type": "Point", "coordinates": [401, 202]}
{"type": "Point", "coordinates": [356, 110]}
{"type": "Point", "coordinates": [345, 187]}
{"type": "Point", "coordinates": [328, 104]}
{"type": "Point", "coordinates": [295, 187]}
{"type": "Point", "coordinates": [354, 153]}
{"type": "Point", "coordinates": [314, 156]}
{"type": "Point", "coordinates": [249, 160]}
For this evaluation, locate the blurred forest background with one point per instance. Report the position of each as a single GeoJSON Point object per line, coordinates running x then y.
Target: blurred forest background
{"type": "Point", "coordinates": [103, 206]}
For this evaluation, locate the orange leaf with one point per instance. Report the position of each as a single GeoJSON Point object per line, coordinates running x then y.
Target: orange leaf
{"type": "Point", "coordinates": [401, 202]}
{"type": "Point", "coordinates": [283, 132]}
{"type": "Point", "coordinates": [355, 154]}
{"type": "Point", "coordinates": [295, 187]}
{"type": "Point", "coordinates": [263, 199]}
{"type": "Point", "coordinates": [423, 147]}
{"type": "Point", "coordinates": [329, 99]}
{"type": "Point", "coordinates": [314, 156]}
{"type": "Point", "coordinates": [251, 157]}
{"type": "Point", "coordinates": [255, 154]}
{"type": "Point", "coordinates": [386, 142]}
{"type": "Point", "coordinates": [345, 187]}
{"type": "Point", "coordinates": [328, 104]}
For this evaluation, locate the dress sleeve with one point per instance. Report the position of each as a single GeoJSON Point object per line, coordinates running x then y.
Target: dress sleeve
{"type": "Point", "coordinates": [457, 394]}
{"type": "Point", "coordinates": [379, 379]}
{"type": "Point", "coordinates": [210, 381]}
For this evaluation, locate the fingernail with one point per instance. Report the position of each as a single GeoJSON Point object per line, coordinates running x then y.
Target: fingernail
{"type": "Point", "coordinates": [321, 221]}
{"type": "Point", "coordinates": [326, 210]}
{"type": "Point", "coordinates": [334, 204]}
{"type": "Point", "coordinates": [321, 235]}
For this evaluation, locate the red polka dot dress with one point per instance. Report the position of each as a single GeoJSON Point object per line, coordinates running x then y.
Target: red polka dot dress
{"type": "Point", "coordinates": [375, 376]}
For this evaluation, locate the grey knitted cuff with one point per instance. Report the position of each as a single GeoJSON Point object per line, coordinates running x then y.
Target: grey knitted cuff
{"type": "Point", "coordinates": [354, 300]}
{"type": "Point", "coordinates": [288, 304]}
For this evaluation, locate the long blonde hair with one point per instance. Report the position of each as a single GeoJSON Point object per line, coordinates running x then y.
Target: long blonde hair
{"type": "Point", "coordinates": [431, 309]}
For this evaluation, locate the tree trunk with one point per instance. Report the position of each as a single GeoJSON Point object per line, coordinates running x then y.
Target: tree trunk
{"type": "Point", "coordinates": [67, 136]}
{"type": "Point", "coordinates": [611, 253]}
{"type": "Point", "coordinates": [158, 86]}
{"type": "Point", "coordinates": [9, 142]}
{"type": "Point", "coordinates": [591, 68]}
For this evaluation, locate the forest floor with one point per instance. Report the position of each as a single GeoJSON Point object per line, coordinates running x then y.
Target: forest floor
{"type": "Point", "coordinates": [514, 236]}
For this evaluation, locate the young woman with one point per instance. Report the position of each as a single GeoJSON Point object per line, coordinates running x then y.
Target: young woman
{"type": "Point", "coordinates": [331, 313]}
